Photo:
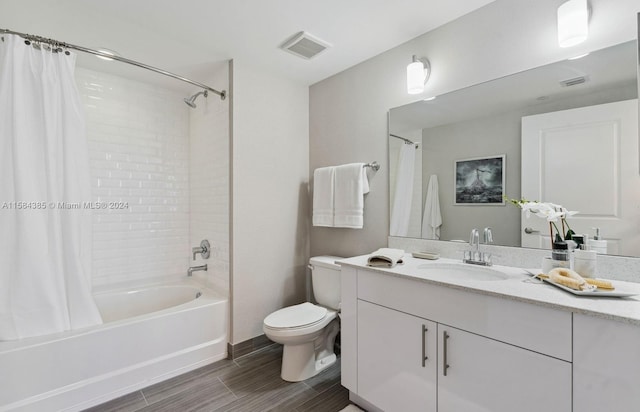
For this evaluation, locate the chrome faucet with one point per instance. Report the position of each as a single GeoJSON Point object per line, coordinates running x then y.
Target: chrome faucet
{"type": "Point", "coordinates": [196, 269]}
{"type": "Point", "coordinates": [474, 256]}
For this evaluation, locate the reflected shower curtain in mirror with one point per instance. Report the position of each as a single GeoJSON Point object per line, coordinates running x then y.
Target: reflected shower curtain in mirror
{"type": "Point", "coordinates": [45, 243]}
{"type": "Point", "coordinates": [401, 209]}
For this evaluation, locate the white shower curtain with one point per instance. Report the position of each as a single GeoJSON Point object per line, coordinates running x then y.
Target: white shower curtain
{"type": "Point", "coordinates": [45, 249]}
{"type": "Point", "coordinates": [401, 209]}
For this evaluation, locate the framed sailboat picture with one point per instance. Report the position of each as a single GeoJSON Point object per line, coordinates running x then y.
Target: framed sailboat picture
{"type": "Point", "coordinates": [480, 181]}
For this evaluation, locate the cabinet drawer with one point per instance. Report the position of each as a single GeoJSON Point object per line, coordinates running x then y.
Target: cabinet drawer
{"type": "Point", "coordinates": [529, 326]}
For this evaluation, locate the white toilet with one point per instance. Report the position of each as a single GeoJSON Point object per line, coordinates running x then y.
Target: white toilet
{"type": "Point", "coordinates": [309, 331]}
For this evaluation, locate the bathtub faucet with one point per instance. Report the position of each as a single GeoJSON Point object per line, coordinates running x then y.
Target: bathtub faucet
{"type": "Point", "coordinates": [196, 269]}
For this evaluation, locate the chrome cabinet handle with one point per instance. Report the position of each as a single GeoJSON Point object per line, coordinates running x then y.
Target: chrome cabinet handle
{"type": "Point", "coordinates": [529, 230]}
{"type": "Point", "coordinates": [424, 345]}
{"type": "Point", "coordinates": [445, 366]}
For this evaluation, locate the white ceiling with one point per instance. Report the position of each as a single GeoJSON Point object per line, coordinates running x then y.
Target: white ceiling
{"type": "Point", "coordinates": [187, 37]}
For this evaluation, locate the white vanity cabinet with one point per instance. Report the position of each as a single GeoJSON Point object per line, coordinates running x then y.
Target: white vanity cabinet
{"type": "Point", "coordinates": [606, 362]}
{"type": "Point", "coordinates": [502, 355]}
{"type": "Point", "coordinates": [396, 359]}
{"type": "Point", "coordinates": [487, 375]}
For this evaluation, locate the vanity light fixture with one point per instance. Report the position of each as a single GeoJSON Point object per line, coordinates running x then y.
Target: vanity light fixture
{"type": "Point", "coordinates": [573, 22]}
{"type": "Point", "coordinates": [418, 73]}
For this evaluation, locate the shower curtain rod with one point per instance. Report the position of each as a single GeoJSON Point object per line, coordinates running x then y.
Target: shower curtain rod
{"type": "Point", "coordinates": [407, 141]}
{"type": "Point", "coordinates": [39, 39]}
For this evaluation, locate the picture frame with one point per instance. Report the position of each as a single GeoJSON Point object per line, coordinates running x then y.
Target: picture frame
{"type": "Point", "coordinates": [480, 181]}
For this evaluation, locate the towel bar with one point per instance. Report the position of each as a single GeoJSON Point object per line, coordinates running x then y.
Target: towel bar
{"type": "Point", "coordinates": [375, 166]}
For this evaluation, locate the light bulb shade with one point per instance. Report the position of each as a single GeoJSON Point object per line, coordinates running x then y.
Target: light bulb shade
{"type": "Point", "coordinates": [573, 22]}
{"type": "Point", "coordinates": [415, 78]}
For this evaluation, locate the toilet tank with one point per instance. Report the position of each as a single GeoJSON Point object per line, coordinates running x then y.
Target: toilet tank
{"type": "Point", "coordinates": [325, 281]}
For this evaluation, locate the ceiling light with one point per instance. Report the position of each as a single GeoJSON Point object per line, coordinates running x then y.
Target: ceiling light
{"type": "Point", "coordinates": [573, 22]}
{"type": "Point", "coordinates": [417, 75]}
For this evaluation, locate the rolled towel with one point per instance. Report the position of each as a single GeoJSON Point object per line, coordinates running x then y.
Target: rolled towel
{"type": "Point", "coordinates": [569, 278]}
{"type": "Point", "coordinates": [385, 258]}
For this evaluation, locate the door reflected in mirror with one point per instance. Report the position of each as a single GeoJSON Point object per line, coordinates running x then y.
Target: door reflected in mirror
{"type": "Point", "coordinates": [559, 148]}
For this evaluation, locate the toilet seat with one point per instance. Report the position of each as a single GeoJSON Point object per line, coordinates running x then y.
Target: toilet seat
{"type": "Point", "coordinates": [297, 316]}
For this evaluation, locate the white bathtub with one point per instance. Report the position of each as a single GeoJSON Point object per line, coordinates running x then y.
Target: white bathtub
{"type": "Point", "coordinates": [149, 334]}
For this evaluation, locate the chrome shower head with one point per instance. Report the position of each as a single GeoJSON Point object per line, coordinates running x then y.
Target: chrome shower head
{"type": "Point", "coordinates": [190, 101]}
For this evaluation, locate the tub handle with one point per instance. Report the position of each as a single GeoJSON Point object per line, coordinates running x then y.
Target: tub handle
{"type": "Point", "coordinates": [204, 249]}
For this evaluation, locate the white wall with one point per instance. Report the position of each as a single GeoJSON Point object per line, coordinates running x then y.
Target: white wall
{"type": "Point", "coordinates": [139, 154]}
{"type": "Point", "coordinates": [348, 111]}
{"type": "Point", "coordinates": [270, 206]}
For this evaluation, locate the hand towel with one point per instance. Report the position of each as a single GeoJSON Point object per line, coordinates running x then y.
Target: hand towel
{"type": "Point", "coordinates": [432, 219]}
{"type": "Point", "coordinates": [351, 184]}
{"type": "Point", "coordinates": [323, 196]}
{"type": "Point", "coordinates": [385, 258]}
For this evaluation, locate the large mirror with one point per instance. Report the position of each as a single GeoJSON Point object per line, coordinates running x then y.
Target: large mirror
{"type": "Point", "coordinates": [551, 134]}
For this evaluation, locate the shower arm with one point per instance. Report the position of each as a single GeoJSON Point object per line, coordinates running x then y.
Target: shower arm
{"type": "Point", "coordinates": [30, 37]}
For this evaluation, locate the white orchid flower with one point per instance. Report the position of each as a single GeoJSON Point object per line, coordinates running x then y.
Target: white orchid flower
{"type": "Point", "coordinates": [550, 211]}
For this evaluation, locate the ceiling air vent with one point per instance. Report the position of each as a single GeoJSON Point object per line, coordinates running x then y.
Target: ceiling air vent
{"type": "Point", "coordinates": [573, 82]}
{"type": "Point", "coordinates": [305, 45]}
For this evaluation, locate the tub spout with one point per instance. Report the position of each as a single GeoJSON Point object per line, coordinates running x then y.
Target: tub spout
{"type": "Point", "coordinates": [196, 269]}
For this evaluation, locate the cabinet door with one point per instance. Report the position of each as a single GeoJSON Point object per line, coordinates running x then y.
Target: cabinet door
{"type": "Point", "coordinates": [483, 374]}
{"type": "Point", "coordinates": [606, 365]}
{"type": "Point", "coordinates": [396, 359]}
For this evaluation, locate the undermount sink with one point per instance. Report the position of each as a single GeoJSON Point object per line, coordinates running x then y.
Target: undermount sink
{"type": "Point", "coordinates": [461, 271]}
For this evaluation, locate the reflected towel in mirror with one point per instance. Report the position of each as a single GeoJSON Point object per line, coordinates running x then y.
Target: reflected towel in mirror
{"type": "Point", "coordinates": [432, 219]}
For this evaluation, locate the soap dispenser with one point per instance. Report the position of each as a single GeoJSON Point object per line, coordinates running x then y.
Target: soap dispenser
{"type": "Point", "coordinates": [598, 244]}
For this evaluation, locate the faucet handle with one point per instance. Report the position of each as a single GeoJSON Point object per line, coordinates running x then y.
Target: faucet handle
{"type": "Point", "coordinates": [204, 249]}
{"type": "Point", "coordinates": [487, 235]}
{"type": "Point", "coordinates": [475, 236]}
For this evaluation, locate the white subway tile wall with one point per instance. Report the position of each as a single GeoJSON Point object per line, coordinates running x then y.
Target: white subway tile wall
{"type": "Point", "coordinates": [139, 155]}
{"type": "Point", "coordinates": [209, 185]}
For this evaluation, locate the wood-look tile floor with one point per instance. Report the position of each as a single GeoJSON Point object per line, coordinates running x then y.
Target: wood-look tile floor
{"type": "Point", "coordinates": [249, 383]}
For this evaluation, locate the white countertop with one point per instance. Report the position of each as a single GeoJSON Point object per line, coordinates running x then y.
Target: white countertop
{"type": "Point", "coordinates": [518, 286]}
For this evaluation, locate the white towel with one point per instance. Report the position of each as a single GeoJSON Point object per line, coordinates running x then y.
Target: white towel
{"type": "Point", "coordinates": [323, 190]}
{"type": "Point", "coordinates": [385, 257]}
{"type": "Point", "coordinates": [432, 219]}
{"type": "Point", "coordinates": [351, 184]}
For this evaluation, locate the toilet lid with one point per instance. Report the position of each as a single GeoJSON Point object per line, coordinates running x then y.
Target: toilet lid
{"type": "Point", "coordinates": [296, 316]}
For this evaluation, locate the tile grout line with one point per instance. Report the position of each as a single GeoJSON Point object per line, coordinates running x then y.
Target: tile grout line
{"type": "Point", "coordinates": [145, 398]}
{"type": "Point", "coordinates": [229, 389]}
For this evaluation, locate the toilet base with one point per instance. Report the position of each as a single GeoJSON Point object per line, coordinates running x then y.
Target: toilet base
{"type": "Point", "coordinates": [300, 362]}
